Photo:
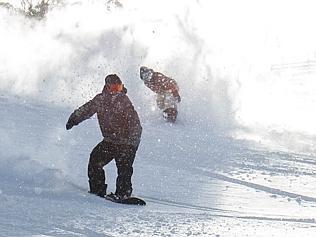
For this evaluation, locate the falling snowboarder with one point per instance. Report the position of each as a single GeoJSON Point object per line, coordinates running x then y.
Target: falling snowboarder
{"type": "Point", "coordinates": [121, 129]}
{"type": "Point", "coordinates": [166, 89]}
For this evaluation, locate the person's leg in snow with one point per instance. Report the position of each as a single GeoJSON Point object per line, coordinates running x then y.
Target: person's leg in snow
{"type": "Point", "coordinates": [100, 156]}
{"type": "Point", "coordinates": [168, 104]}
{"type": "Point", "coordinates": [124, 163]}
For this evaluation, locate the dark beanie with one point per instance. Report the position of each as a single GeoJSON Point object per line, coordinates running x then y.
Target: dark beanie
{"type": "Point", "coordinates": [112, 79]}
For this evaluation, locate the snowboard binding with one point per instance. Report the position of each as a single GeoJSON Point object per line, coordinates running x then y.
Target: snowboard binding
{"type": "Point", "coordinates": [125, 200]}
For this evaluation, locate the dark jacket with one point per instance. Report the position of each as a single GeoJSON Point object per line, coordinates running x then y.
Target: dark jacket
{"type": "Point", "coordinates": [118, 120]}
{"type": "Point", "coordinates": [161, 84]}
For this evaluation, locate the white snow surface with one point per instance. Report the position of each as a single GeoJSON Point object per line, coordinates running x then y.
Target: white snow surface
{"type": "Point", "coordinates": [240, 160]}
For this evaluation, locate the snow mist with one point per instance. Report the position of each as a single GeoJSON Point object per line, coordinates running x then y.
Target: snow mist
{"type": "Point", "coordinates": [247, 73]}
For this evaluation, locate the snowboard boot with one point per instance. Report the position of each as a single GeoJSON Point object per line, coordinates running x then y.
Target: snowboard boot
{"type": "Point", "coordinates": [124, 195]}
{"type": "Point", "coordinates": [116, 198]}
{"type": "Point", "coordinates": [98, 189]}
{"type": "Point", "coordinates": [113, 197]}
{"type": "Point", "coordinates": [170, 115]}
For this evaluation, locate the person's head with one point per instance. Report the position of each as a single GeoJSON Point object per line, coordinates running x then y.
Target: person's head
{"type": "Point", "coordinates": [113, 83]}
{"type": "Point", "coordinates": [145, 73]}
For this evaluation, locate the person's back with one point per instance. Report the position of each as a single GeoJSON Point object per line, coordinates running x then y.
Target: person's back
{"type": "Point", "coordinates": [159, 83]}
{"type": "Point", "coordinates": [166, 89]}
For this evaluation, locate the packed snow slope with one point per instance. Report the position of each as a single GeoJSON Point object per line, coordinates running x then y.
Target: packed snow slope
{"type": "Point", "coordinates": [195, 182]}
{"type": "Point", "coordinates": [240, 160]}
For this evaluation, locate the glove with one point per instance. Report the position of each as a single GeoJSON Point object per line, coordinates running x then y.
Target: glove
{"type": "Point", "coordinates": [176, 95]}
{"type": "Point", "coordinates": [69, 125]}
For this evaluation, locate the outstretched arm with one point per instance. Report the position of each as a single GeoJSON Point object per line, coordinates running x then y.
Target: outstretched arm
{"type": "Point", "coordinates": [82, 113]}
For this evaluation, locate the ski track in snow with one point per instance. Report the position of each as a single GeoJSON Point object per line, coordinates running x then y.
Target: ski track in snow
{"type": "Point", "coordinates": [259, 187]}
{"type": "Point", "coordinates": [216, 210]}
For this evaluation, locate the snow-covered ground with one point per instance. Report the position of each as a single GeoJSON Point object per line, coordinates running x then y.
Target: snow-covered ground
{"type": "Point", "coordinates": [240, 161]}
{"type": "Point", "coordinates": [195, 182]}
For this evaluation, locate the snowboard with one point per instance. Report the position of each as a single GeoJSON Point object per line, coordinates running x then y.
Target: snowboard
{"type": "Point", "coordinates": [129, 200]}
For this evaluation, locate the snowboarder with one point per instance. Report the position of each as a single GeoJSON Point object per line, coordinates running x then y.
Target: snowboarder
{"type": "Point", "coordinates": [166, 89]}
{"type": "Point", "coordinates": [121, 129]}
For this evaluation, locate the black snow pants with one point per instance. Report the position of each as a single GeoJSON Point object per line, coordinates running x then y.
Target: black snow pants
{"type": "Point", "coordinates": [100, 156]}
